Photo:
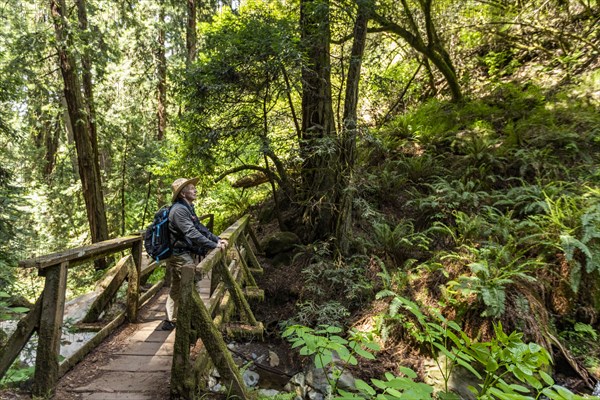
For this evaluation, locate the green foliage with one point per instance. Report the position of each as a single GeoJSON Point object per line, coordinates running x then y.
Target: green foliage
{"type": "Point", "coordinates": [500, 64]}
{"type": "Point", "coordinates": [448, 196]}
{"type": "Point", "coordinates": [325, 312]}
{"type": "Point", "coordinates": [235, 111]}
{"type": "Point", "coordinates": [393, 387]}
{"type": "Point", "coordinates": [495, 267]}
{"type": "Point", "coordinates": [6, 312]}
{"type": "Point", "coordinates": [497, 363]}
{"type": "Point", "coordinates": [329, 349]}
{"type": "Point", "coordinates": [401, 241]}
{"type": "Point", "coordinates": [16, 375]}
{"type": "Point", "coordinates": [581, 340]}
{"type": "Point", "coordinates": [340, 280]}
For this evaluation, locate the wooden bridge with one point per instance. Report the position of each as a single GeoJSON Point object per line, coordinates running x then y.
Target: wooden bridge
{"type": "Point", "coordinates": [148, 356]}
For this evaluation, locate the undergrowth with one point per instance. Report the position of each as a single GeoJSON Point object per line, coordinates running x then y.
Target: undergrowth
{"type": "Point", "coordinates": [489, 208]}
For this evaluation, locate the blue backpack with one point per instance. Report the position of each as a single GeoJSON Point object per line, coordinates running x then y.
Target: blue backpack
{"type": "Point", "coordinates": [157, 238]}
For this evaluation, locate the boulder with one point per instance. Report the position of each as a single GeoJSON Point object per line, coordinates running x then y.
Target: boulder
{"type": "Point", "coordinates": [279, 243]}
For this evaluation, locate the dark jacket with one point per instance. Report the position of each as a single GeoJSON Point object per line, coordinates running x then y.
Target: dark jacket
{"type": "Point", "coordinates": [187, 233]}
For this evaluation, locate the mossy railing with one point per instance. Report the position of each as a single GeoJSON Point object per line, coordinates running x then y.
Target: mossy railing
{"type": "Point", "coordinates": [229, 271]}
{"type": "Point", "coordinates": [46, 316]}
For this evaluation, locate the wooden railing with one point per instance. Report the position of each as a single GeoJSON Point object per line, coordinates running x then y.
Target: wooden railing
{"type": "Point", "coordinates": [46, 316]}
{"type": "Point", "coordinates": [229, 271]}
{"type": "Point", "coordinates": [228, 268]}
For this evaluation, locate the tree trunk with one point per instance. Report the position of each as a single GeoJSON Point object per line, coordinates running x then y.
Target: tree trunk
{"type": "Point", "coordinates": [86, 75]}
{"type": "Point", "coordinates": [161, 72]}
{"type": "Point", "coordinates": [348, 145]}
{"type": "Point", "coordinates": [190, 37]}
{"type": "Point", "coordinates": [87, 163]}
{"type": "Point", "coordinates": [318, 126]}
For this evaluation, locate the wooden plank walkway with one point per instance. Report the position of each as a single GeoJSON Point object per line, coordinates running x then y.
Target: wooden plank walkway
{"type": "Point", "coordinates": [134, 364]}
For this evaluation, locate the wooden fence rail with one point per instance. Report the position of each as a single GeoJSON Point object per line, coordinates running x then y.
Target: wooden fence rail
{"type": "Point", "coordinates": [229, 271]}
{"type": "Point", "coordinates": [46, 316]}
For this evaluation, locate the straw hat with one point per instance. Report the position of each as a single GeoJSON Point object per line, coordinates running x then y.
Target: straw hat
{"type": "Point", "coordinates": [179, 184]}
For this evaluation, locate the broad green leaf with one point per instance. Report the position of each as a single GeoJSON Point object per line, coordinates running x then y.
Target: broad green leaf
{"type": "Point", "coordinates": [364, 387]}
{"type": "Point", "coordinates": [547, 378]}
{"type": "Point", "coordinates": [364, 353]}
{"type": "Point", "coordinates": [408, 372]}
{"type": "Point", "coordinates": [20, 310]}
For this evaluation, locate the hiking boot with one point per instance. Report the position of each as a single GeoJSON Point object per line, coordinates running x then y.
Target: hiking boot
{"type": "Point", "coordinates": [167, 326]}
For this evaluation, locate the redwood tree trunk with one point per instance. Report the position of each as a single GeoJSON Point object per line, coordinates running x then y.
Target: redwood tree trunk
{"type": "Point", "coordinates": [87, 163]}
{"type": "Point", "coordinates": [191, 37]}
{"type": "Point", "coordinates": [319, 175]}
{"type": "Point", "coordinates": [348, 138]}
{"type": "Point", "coordinates": [161, 72]}
{"type": "Point", "coordinates": [86, 75]}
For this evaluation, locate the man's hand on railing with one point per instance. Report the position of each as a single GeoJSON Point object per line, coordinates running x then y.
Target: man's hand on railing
{"type": "Point", "coordinates": [222, 244]}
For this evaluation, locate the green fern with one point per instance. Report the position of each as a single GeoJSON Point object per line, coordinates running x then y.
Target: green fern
{"type": "Point", "coordinates": [496, 267]}
{"type": "Point", "coordinates": [401, 240]}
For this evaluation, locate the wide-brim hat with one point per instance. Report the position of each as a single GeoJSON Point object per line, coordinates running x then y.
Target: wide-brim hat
{"type": "Point", "coordinates": [179, 184]}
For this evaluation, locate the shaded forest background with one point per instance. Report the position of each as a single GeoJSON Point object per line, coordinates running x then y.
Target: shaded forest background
{"type": "Point", "coordinates": [445, 151]}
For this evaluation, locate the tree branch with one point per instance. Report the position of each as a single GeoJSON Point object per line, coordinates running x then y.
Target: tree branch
{"type": "Point", "coordinates": [247, 167]}
{"type": "Point", "coordinates": [351, 35]}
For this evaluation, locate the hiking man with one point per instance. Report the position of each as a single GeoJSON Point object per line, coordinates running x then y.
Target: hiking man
{"type": "Point", "coordinates": [188, 237]}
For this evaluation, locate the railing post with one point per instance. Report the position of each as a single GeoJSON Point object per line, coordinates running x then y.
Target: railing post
{"type": "Point", "coordinates": [236, 293]}
{"type": "Point", "coordinates": [133, 285]}
{"type": "Point", "coordinates": [251, 256]}
{"type": "Point", "coordinates": [216, 348]}
{"type": "Point", "coordinates": [254, 239]}
{"type": "Point", "coordinates": [181, 347]}
{"type": "Point", "coordinates": [245, 270]}
{"type": "Point", "coordinates": [48, 350]}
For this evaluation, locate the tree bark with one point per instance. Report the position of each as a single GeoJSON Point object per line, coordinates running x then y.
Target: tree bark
{"type": "Point", "coordinates": [86, 160]}
{"type": "Point", "coordinates": [161, 72]}
{"type": "Point", "coordinates": [86, 75]}
{"type": "Point", "coordinates": [318, 126]}
{"type": "Point", "coordinates": [191, 37]}
{"type": "Point", "coordinates": [348, 145]}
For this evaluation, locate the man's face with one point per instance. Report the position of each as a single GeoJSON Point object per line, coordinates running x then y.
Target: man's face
{"type": "Point", "coordinates": [189, 193]}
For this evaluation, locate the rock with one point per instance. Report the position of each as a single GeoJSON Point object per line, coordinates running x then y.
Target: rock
{"type": "Point", "coordinates": [268, 392]}
{"type": "Point", "coordinates": [250, 378]}
{"type": "Point", "coordinates": [280, 242]}
{"type": "Point", "coordinates": [347, 382]}
{"type": "Point", "coordinates": [316, 379]}
{"type": "Point", "coordinates": [214, 372]}
{"type": "Point", "coordinates": [312, 395]}
{"type": "Point", "coordinates": [297, 385]}
{"type": "Point", "coordinates": [273, 359]}
{"type": "Point", "coordinates": [299, 379]}
{"type": "Point", "coordinates": [217, 388]}
{"type": "Point", "coordinates": [212, 382]}
{"type": "Point", "coordinates": [460, 379]}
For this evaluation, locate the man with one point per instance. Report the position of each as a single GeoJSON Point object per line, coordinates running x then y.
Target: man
{"type": "Point", "coordinates": [188, 237]}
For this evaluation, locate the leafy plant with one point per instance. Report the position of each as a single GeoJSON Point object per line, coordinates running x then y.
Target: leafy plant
{"type": "Point", "coordinates": [401, 241]}
{"type": "Point", "coordinates": [393, 387]}
{"type": "Point", "coordinates": [5, 310]}
{"type": "Point", "coordinates": [496, 363]}
{"type": "Point", "coordinates": [495, 267]}
{"type": "Point", "coordinates": [327, 346]}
